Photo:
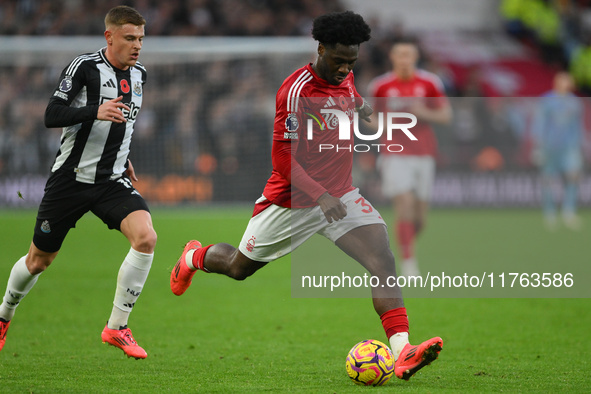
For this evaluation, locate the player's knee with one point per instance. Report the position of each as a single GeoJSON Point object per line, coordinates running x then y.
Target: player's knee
{"type": "Point", "coordinates": [146, 241]}
{"type": "Point", "coordinates": [240, 273]}
{"type": "Point", "coordinates": [36, 264]}
{"type": "Point", "coordinates": [385, 262]}
{"type": "Point", "coordinates": [151, 239]}
{"type": "Point", "coordinates": [380, 263]}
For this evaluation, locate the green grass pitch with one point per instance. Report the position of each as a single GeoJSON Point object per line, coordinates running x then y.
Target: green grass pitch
{"type": "Point", "coordinates": [252, 336]}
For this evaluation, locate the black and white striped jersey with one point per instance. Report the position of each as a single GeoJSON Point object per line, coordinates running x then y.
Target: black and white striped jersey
{"type": "Point", "coordinates": [92, 150]}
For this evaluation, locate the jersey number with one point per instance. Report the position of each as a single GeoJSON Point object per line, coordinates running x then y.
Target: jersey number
{"type": "Point", "coordinates": [366, 207]}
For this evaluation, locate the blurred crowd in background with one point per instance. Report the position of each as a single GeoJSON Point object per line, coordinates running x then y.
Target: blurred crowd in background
{"type": "Point", "coordinates": [166, 18]}
{"type": "Point", "coordinates": [214, 120]}
{"type": "Point", "coordinates": [561, 29]}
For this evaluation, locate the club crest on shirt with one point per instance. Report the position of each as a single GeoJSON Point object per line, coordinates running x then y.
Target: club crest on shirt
{"type": "Point", "coordinates": [291, 123]}
{"type": "Point", "coordinates": [45, 227]}
{"type": "Point", "coordinates": [137, 88]}
{"type": "Point", "coordinates": [250, 243]}
{"type": "Point", "coordinates": [66, 84]}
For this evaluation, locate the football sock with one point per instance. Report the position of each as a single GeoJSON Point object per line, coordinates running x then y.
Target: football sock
{"type": "Point", "coordinates": [130, 282]}
{"type": "Point", "coordinates": [395, 322]}
{"type": "Point", "coordinates": [19, 284]}
{"type": "Point", "coordinates": [197, 259]}
{"type": "Point", "coordinates": [406, 238]}
{"type": "Point", "coordinates": [569, 205]}
{"type": "Point", "coordinates": [397, 342]}
{"type": "Point", "coordinates": [189, 260]}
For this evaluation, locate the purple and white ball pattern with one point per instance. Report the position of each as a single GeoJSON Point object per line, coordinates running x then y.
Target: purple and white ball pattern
{"type": "Point", "coordinates": [370, 363]}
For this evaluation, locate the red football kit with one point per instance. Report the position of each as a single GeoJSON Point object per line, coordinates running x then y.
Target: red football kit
{"type": "Point", "coordinates": [423, 86]}
{"type": "Point", "coordinates": [304, 168]}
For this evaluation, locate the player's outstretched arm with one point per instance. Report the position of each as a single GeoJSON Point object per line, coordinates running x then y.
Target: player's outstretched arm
{"type": "Point", "coordinates": [59, 114]}
{"type": "Point", "coordinates": [287, 165]}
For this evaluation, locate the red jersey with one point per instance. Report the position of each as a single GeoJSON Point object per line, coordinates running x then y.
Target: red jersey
{"type": "Point", "coordinates": [312, 167]}
{"type": "Point", "coordinates": [422, 85]}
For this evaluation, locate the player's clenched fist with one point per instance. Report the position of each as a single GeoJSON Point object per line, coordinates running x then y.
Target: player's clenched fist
{"type": "Point", "coordinates": [333, 207]}
{"type": "Point", "coordinates": [111, 110]}
{"type": "Point", "coordinates": [365, 111]}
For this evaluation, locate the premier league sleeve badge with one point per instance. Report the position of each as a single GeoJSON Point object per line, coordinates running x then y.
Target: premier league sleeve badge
{"type": "Point", "coordinates": [291, 123]}
{"type": "Point", "coordinates": [66, 84]}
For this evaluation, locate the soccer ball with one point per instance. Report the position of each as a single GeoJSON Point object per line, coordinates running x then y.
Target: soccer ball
{"type": "Point", "coordinates": [370, 363]}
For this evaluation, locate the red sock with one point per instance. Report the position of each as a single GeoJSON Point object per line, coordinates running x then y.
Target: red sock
{"type": "Point", "coordinates": [394, 321]}
{"type": "Point", "coordinates": [199, 257]}
{"type": "Point", "coordinates": [406, 238]}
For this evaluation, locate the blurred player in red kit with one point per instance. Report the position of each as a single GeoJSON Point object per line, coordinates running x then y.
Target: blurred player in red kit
{"type": "Point", "coordinates": [407, 176]}
{"type": "Point", "coordinates": [310, 190]}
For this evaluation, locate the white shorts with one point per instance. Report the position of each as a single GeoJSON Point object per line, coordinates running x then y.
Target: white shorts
{"type": "Point", "coordinates": [277, 231]}
{"type": "Point", "coordinates": [405, 173]}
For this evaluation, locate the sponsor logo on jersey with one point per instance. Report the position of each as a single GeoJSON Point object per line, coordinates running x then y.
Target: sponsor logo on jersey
{"type": "Point", "coordinates": [124, 85]}
{"type": "Point", "coordinates": [329, 103]}
{"type": "Point", "coordinates": [134, 109]}
{"type": "Point", "coordinates": [137, 89]}
{"type": "Point", "coordinates": [45, 227]}
{"type": "Point", "coordinates": [109, 84]}
{"type": "Point", "coordinates": [66, 84]}
{"type": "Point", "coordinates": [327, 119]}
{"type": "Point", "coordinates": [291, 123]}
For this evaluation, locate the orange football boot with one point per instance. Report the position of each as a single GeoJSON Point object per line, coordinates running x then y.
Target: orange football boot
{"type": "Point", "coordinates": [123, 339]}
{"type": "Point", "coordinates": [181, 275]}
{"type": "Point", "coordinates": [413, 358]}
{"type": "Point", "coordinates": [3, 328]}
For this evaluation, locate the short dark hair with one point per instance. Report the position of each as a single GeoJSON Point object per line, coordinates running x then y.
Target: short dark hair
{"type": "Point", "coordinates": [121, 15]}
{"type": "Point", "coordinates": [346, 28]}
